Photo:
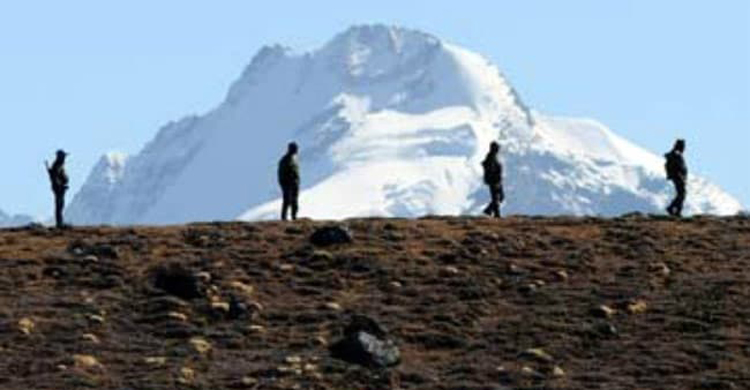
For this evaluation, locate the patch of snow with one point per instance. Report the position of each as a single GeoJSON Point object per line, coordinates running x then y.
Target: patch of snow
{"type": "Point", "coordinates": [391, 122]}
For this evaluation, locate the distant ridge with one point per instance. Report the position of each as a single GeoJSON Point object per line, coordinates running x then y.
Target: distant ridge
{"type": "Point", "coordinates": [391, 122]}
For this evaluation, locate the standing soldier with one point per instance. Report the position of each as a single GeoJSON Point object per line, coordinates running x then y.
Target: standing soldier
{"type": "Point", "coordinates": [677, 172]}
{"type": "Point", "coordinates": [493, 177]}
{"type": "Point", "coordinates": [59, 180]}
{"type": "Point", "coordinates": [289, 181]}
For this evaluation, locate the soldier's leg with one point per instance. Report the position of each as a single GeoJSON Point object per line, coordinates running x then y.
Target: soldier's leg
{"type": "Point", "coordinates": [680, 199]}
{"type": "Point", "coordinates": [488, 210]}
{"type": "Point", "coordinates": [295, 201]}
{"type": "Point", "coordinates": [500, 199]}
{"type": "Point", "coordinates": [496, 201]}
{"type": "Point", "coordinates": [284, 202]}
{"type": "Point", "coordinates": [62, 209]}
{"type": "Point", "coordinates": [671, 207]}
{"type": "Point", "coordinates": [58, 210]}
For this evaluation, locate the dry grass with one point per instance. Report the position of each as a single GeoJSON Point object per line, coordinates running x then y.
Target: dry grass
{"type": "Point", "coordinates": [465, 298]}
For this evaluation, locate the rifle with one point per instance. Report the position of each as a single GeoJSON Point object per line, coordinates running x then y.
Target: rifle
{"type": "Point", "coordinates": [50, 172]}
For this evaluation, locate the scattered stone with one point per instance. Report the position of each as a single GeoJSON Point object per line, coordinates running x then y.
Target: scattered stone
{"type": "Point", "coordinates": [603, 311]}
{"type": "Point", "coordinates": [514, 270]}
{"type": "Point", "coordinates": [331, 235]}
{"type": "Point", "coordinates": [256, 329]}
{"type": "Point", "coordinates": [90, 337]}
{"type": "Point", "coordinates": [606, 329]}
{"type": "Point", "coordinates": [561, 275]}
{"type": "Point", "coordinates": [203, 276]}
{"type": "Point", "coordinates": [537, 354]}
{"type": "Point", "coordinates": [286, 267]}
{"type": "Point", "coordinates": [155, 361]}
{"type": "Point", "coordinates": [220, 307]}
{"type": "Point", "coordinates": [86, 362]}
{"type": "Point", "coordinates": [242, 288]}
{"type": "Point", "coordinates": [200, 345]}
{"type": "Point", "coordinates": [637, 307]}
{"type": "Point", "coordinates": [333, 306]}
{"type": "Point", "coordinates": [186, 376]}
{"type": "Point", "coordinates": [289, 370]}
{"type": "Point", "coordinates": [558, 372]}
{"type": "Point", "coordinates": [237, 309]}
{"type": "Point", "coordinates": [528, 288]}
{"type": "Point", "coordinates": [178, 316]}
{"type": "Point", "coordinates": [366, 343]}
{"type": "Point", "coordinates": [660, 269]}
{"type": "Point", "coordinates": [396, 284]}
{"type": "Point", "coordinates": [248, 381]}
{"type": "Point", "coordinates": [96, 319]}
{"type": "Point", "coordinates": [449, 271]}
{"type": "Point", "coordinates": [26, 325]}
{"type": "Point", "coordinates": [293, 360]}
{"type": "Point", "coordinates": [255, 306]}
{"type": "Point", "coordinates": [90, 259]}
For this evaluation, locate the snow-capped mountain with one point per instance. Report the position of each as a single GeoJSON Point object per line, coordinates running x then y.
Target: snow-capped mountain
{"type": "Point", "coordinates": [7, 220]}
{"type": "Point", "coordinates": [391, 122]}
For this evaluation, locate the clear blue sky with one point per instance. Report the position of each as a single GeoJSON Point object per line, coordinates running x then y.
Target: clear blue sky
{"type": "Point", "coordinates": [92, 76]}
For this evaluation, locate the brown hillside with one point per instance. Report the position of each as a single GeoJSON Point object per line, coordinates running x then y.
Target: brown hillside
{"type": "Point", "coordinates": [523, 303]}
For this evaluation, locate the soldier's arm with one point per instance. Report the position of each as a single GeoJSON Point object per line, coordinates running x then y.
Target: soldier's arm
{"type": "Point", "coordinates": [295, 170]}
{"type": "Point", "coordinates": [683, 167]}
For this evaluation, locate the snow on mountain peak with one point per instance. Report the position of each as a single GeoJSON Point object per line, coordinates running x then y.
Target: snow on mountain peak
{"type": "Point", "coordinates": [368, 52]}
{"type": "Point", "coordinates": [391, 122]}
{"type": "Point", "coordinates": [113, 165]}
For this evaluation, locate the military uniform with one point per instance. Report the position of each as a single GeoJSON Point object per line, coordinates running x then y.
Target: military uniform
{"type": "Point", "coordinates": [493, 177]}
{"type": "Point", "coordinates": [289, 180]}
{"type": "Point", "coordinates": [677, 172]}
{"type": "Point", "coordinates": [59, 181]}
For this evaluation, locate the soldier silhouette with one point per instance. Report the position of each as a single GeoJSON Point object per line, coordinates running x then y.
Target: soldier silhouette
{"type": "Point", "coordinates": [59, 180]}
{"type": "Point", "coordinates": [493, 177]}
{"type": "Point", "coordinates": [289, 181]}
{"type": "Point", "coordinates": [677, 172]}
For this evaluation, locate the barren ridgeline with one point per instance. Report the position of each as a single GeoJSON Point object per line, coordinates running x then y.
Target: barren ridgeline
{"type": "Point", "coordinates": [570, 303]}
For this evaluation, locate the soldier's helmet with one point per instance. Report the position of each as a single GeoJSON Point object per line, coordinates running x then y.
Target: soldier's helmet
{"type": "Point", "coordinates": [679, 145]}
{"type": "Point", "coordinates": [494, 147]}
{"type": "Point", "coordinates": [293, 148]}
{"type": "Point", "coordinates": [61, 153]}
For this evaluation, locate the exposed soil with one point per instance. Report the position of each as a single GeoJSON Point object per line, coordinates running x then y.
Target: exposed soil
{"type": "Point", "coordinates": [523, 303]}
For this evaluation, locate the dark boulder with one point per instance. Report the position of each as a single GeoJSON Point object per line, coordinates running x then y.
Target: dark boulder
{"type": "Point", "coordinates": [178, 281]}
{"type": "Point", "coordinates": [366, 343]}
{"type": "Point", "coordinates": [237, 309]}
{"type": "Point", "coordinates": [331, 235]}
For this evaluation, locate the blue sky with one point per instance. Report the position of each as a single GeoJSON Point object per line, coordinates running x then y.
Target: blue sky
{"type": "Point", "coordinates": [94, 76]}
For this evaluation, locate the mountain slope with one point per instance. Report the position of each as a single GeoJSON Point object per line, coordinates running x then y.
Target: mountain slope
{"type": "Point", "coordinates": [7, 220]}
{"type": "Point", "coordinates": [392, 122]}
